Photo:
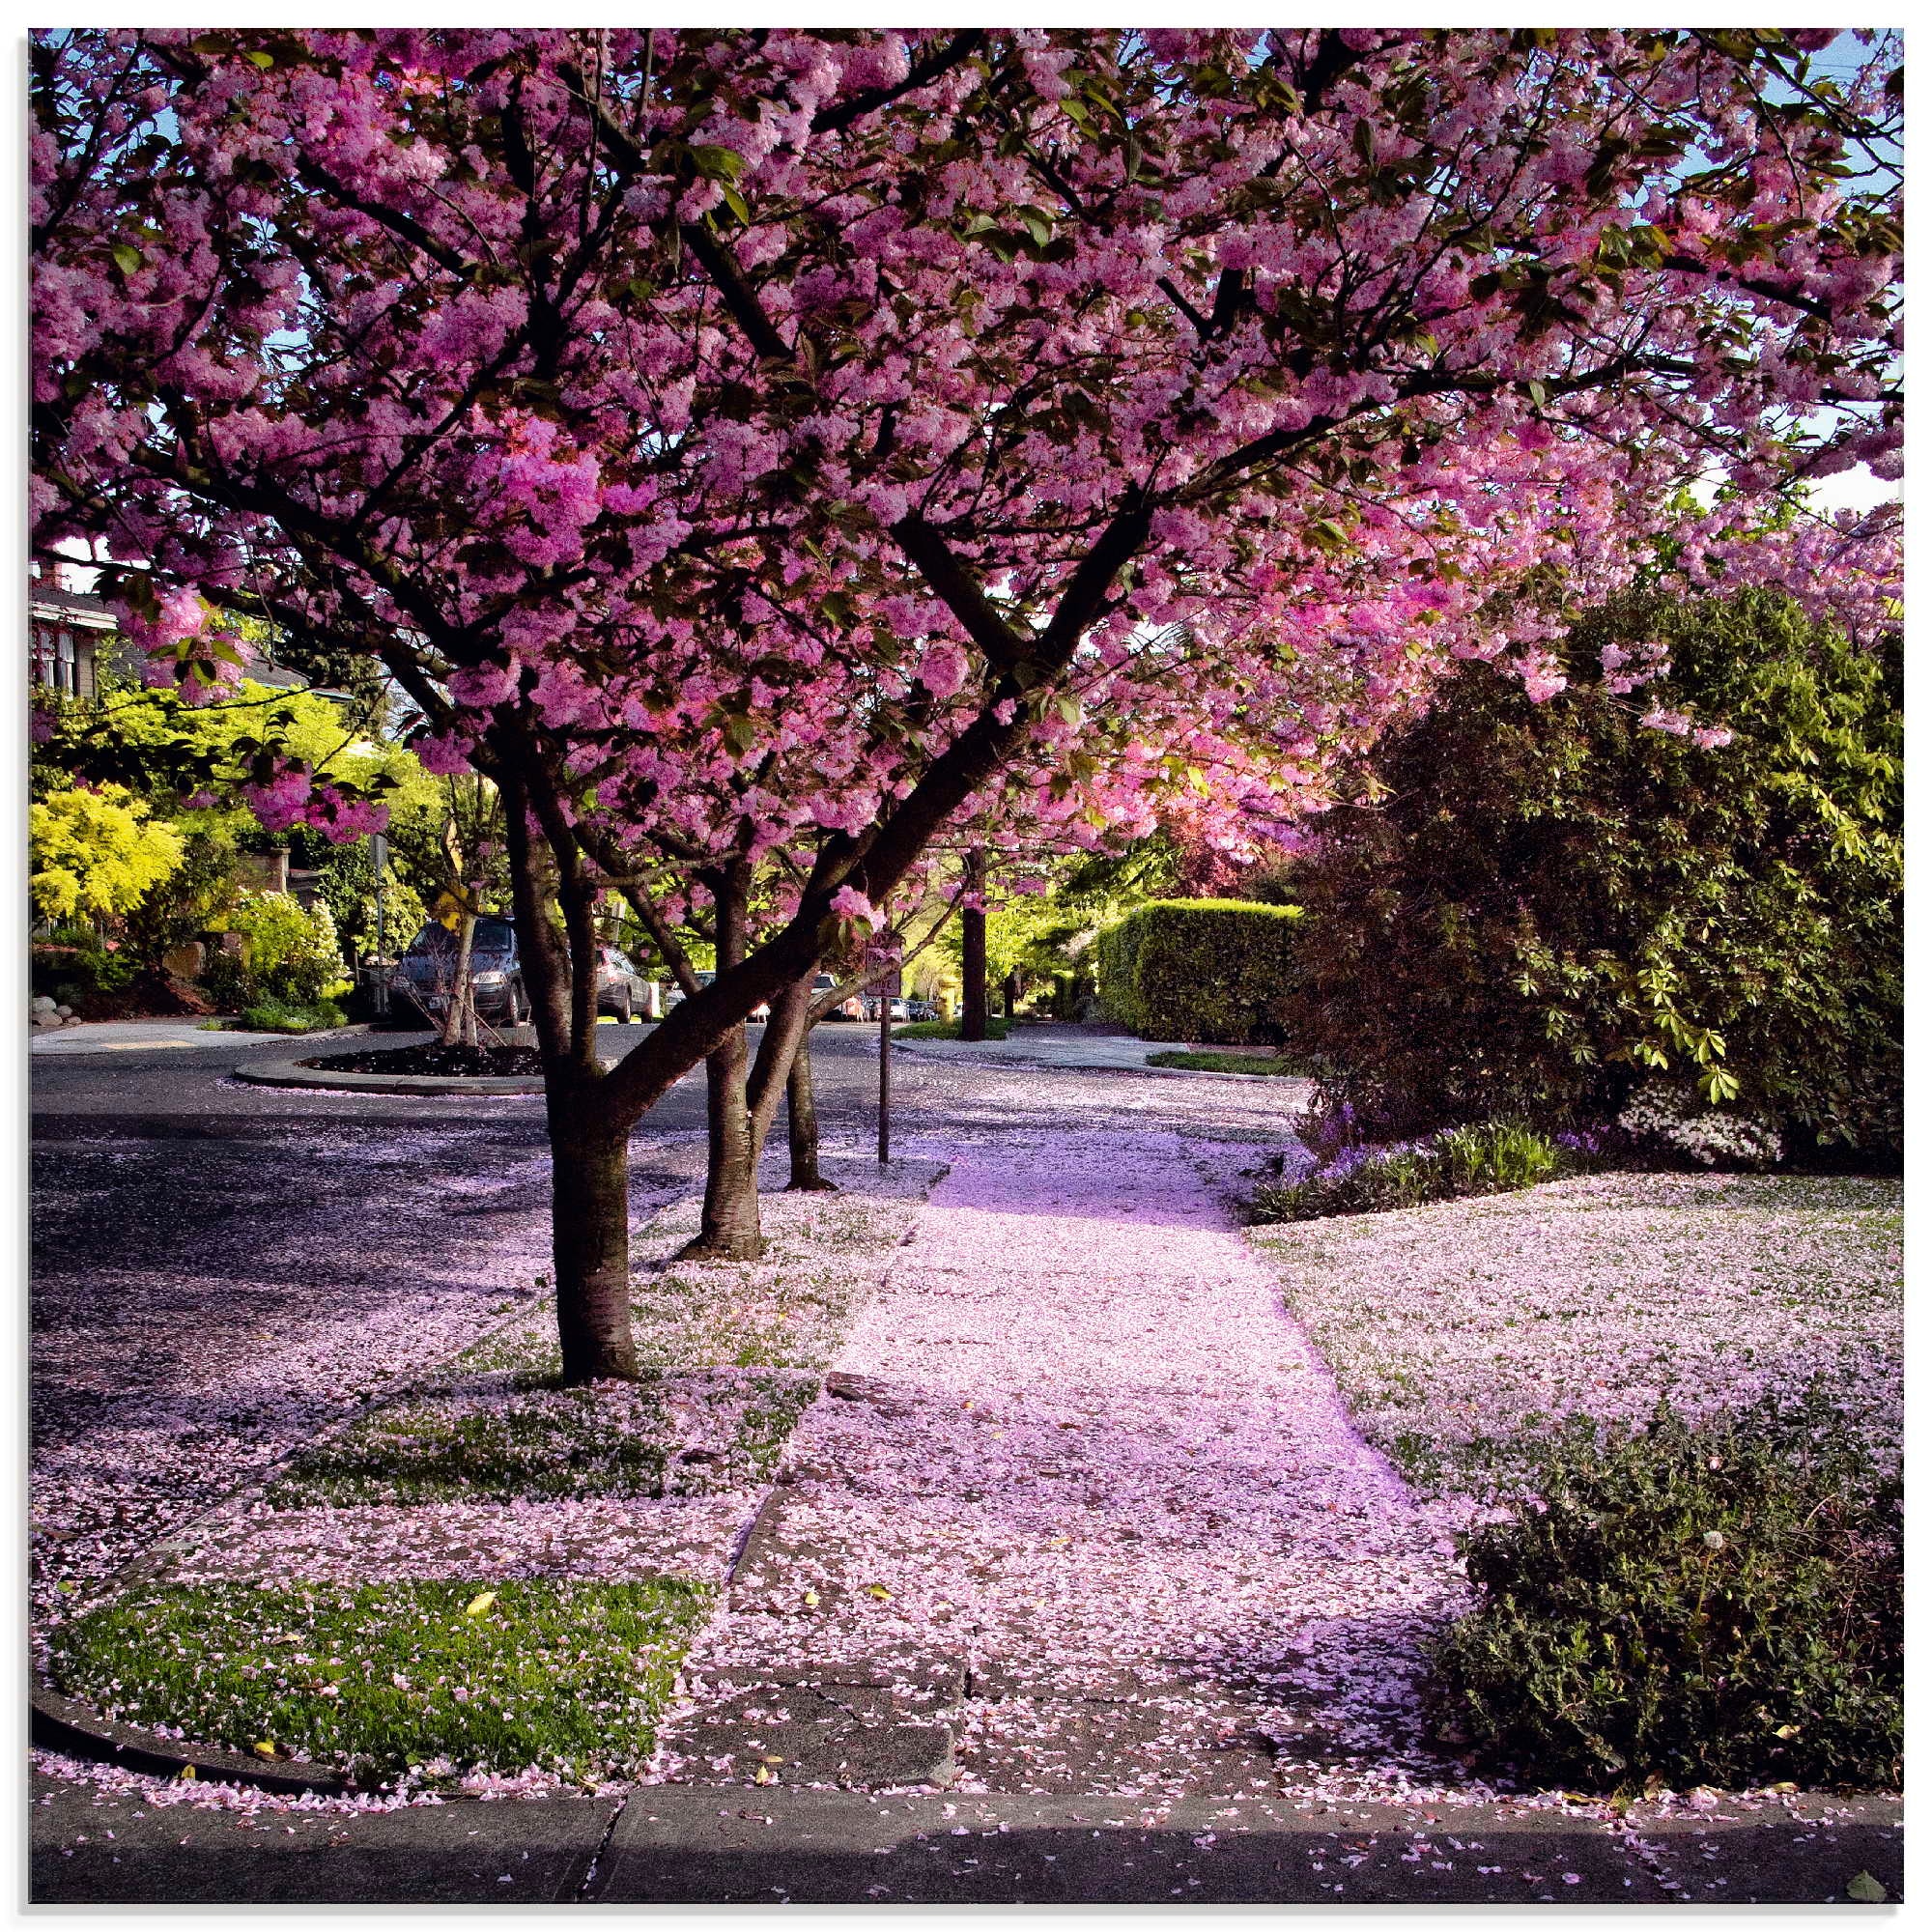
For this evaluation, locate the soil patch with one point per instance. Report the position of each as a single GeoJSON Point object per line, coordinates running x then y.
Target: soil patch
{"type": "Point", "coordinates": [441, 1062]}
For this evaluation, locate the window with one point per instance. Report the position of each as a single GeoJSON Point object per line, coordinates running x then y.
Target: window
{"type": "Point", "coordinates": [58, 661]}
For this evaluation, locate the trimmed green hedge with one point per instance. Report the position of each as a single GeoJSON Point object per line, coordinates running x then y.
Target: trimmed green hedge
{"type": "Point", "coordinates": [1215, 970]}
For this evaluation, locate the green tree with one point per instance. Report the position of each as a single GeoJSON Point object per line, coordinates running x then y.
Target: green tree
{"type": "Point", "coordinates": [1550, 903]}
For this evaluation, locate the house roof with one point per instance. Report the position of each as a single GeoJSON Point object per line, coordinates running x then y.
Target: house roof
{"type": "Point", "coordinates": [54, 604]}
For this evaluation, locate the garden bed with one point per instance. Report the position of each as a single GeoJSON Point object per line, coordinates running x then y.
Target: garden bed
{"type": "Point", "coordinates": [435, 1062]}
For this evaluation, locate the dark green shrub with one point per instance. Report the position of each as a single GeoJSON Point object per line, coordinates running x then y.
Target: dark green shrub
{"type": "Point", "coordinates": [75, 964]}
{"type": "Point", "coordinates": [1496, 1158]}
{"type": "Point", "coordinates": [1553, 902]}
{"type": "Point", "coordinates": [1691, 1602]}
{"type": "Point", "coordinates": [1215, 970]}
{"type": "Point", "coordinates": [228, 983]}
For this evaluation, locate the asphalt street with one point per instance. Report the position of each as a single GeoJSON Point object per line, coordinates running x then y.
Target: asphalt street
{"type": "Point", "coordinates": [193, 1089]}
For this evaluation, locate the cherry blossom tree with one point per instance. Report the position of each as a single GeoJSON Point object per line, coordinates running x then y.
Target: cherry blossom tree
{"type": "Point", "coordinates": [745, 442]}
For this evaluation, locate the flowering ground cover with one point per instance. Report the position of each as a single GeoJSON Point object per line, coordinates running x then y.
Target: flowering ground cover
{"type": "Point", "coordinates": [1461, 1331]}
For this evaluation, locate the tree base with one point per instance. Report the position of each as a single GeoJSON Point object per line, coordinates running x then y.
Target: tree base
{"type": "Point", "coordinates": [722, 1251]}
{"type": "Point", "coordinates": [817, 1184]}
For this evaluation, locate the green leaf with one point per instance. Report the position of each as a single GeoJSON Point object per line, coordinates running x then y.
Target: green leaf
{"type": "Point", "coordinates": [1867, 1889]}
{"type": "Point", "coordinates": [718, 163]}
{"type": "Point", "coordinates": [259, 59]}
{"type": "Point", "coordinates": [126, 257]}
{"type": "Point", "coordinates": [479, 1603]}
{"type": "Point", "coordinates": [735, 202]}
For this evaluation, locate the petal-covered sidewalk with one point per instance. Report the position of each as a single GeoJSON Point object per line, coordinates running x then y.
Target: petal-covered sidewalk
{"type": "Point", "coordinates": [1080, 1467]}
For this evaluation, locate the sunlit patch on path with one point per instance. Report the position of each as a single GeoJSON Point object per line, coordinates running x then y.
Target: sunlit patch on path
{"type": "Point", "coordinates": [1082, 1498]}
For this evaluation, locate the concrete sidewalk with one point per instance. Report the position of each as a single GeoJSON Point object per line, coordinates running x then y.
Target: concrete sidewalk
{"type": "Point", "coordinates": [671, 1844]}
{"type": "Point", "coordinates": [1081, 1049]}
{"type": "Point", "coordinates": [171, 1034]}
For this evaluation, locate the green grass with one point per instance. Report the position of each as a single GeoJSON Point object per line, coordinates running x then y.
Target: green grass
{"type": "Point", "coordinates": [568, 1678]}
{"type": "Point", "coordinates": [945, 1030]}
{"type": "Point", "coordinates": [1222, 1062]}
{"type": "Point", "coordinates": [524, 1439]}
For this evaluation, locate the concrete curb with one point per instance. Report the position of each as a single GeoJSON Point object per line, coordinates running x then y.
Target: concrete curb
{"type": "Point", "coordinates": [59, 1723]}
{"type": "Point", "coordinates": [288, 1073]}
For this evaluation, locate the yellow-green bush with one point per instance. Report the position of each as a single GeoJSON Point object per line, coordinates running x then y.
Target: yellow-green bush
{"type": "Point", "coordinates": [93, 855]}
{"type": "Point", "coordinates": [1215, 970]}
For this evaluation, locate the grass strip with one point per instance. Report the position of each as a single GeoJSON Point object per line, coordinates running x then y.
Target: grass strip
{"type": "Point", "coordinates": [1223, 1062]}
{"type": "Point", "coordinates": [502, 1445]}
{"type": "Point", "coordinates": [435, 1678]}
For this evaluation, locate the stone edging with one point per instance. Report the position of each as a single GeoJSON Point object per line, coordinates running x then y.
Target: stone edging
{"type": "Point", "coordinates": [288, 1073]}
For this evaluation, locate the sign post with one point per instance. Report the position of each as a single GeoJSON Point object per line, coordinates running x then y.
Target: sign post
{"type": "Point", "coordinates": [884, 1077]}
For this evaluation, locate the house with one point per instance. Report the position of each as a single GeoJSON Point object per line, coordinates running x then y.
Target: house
{"type": "Point", "coordinates": [69, 634]}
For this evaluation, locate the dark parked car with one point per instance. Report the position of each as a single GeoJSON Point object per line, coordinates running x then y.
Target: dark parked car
{"type": "Point", "coordinates": [425, 973]}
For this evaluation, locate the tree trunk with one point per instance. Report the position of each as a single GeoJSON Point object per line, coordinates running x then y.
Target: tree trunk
{"type": "Point", "coordinates": [457, 1029]}
{"type": "Point", "coordinates": [591, 1216]}
{"type": "Point", "coordinates": [730, 1231]}
{"type": "Point", "coordinates": [802, 1122]}
{"type": "Point", "coordinates": [1009, 993]}
{"type": "Point", "coordinates": [973, 954]}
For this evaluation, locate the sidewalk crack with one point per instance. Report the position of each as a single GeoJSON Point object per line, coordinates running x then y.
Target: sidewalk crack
{"type": "Point", "coordinates": [582, 1895]}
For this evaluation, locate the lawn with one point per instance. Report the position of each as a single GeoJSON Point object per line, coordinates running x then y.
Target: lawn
{"type": "Point", "coordinates": [388, 1679]}
{"type": "Point", "coordinates": [1460, 1331]}
{"type": "Point", "coordinates": [996, 1029]}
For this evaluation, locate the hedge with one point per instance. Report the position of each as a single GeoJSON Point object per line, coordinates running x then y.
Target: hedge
{"type": "Point", "coordinates": [1215, 970]}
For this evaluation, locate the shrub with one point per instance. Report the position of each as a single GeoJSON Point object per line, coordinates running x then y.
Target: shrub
{"type": "Point", "coordinates": [1691, 1602]}
{"type": "Point", "coordinates": [195, 899]}
{"type": "Point", "coordinates": [1215, 970]}
{"type": "Point", "coordinates": [1556, 902]}
{"type": "Point", "coordinates": [289, 950]}
{"type": "Point", "coordinates": [1662, 1120]}
{"type": "Point", "coordinates": [93, 855]}
{"type": "Point", "coordinates": [228, 983]}
{"type": "Point", "coordinates": [1497, 1158]}
{"type": "Point", "coordinates": [270, 1015]}
{"type": "Point", "coordinates": [77, 964]}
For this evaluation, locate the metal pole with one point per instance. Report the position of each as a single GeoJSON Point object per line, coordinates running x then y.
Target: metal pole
{"type": "Point", "coordinates": [885, 1078]}
{"type": "Point", "coordinates": [379, 856]}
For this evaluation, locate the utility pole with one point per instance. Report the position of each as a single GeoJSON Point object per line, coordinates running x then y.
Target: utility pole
{"type": "Point", "coordinates": [973, 951]}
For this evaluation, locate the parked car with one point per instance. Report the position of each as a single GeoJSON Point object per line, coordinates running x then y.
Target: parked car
{"type": "Point", "coordinates": [621, 989]}
{"type": "Point", "coordinates": [846, 1009]}
{"type": "Point", "coordinates": [425, 973]}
